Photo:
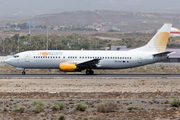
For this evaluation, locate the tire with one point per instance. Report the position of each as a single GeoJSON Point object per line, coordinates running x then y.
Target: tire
{"type": "Point", "coordinates": [91, 72]}
{"type": "Point", "coordinates": [88, 72]}
{"type": "Point", "coordinates": [23, 73]}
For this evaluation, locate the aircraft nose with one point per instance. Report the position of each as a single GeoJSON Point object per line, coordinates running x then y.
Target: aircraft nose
{"type": "Point", "coordinates": [8, 61]}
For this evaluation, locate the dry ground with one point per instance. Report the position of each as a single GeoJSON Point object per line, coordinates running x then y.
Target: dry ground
{"type": "Point", "coordinates": [92, 88]}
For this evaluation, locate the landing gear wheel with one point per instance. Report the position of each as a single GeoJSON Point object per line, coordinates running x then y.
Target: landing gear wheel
{"type": "Point", "coordinates": [23, 73]}
{"type": "Point", "coordinates": [89, 72]}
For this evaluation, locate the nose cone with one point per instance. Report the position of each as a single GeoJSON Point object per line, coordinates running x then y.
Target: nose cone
{"type": "Point", "coordinates": [8, 61]}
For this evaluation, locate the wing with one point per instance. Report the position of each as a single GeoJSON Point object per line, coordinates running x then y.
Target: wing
{"type": "Point", "coordinates": [89, 64]}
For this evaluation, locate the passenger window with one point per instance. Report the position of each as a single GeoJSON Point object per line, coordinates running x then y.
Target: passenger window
{"type": "Point", "coordinates": [64, 57]}
{"type": "Point", "coordinates": [125, 57]}
{"type": "Point", "coordinates": [130, 57]}
{"type": "Point", "coordinates": [59, 56]}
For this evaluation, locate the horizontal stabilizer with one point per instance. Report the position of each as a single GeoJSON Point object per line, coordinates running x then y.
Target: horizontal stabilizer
{"type": "Point", "coordinates": [162, 53]}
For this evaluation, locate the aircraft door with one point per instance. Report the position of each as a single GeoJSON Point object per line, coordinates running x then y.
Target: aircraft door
{"type": "Point", "coordinates": [139, 59]}
{"type": "Point", "coordinates": [27, 57]}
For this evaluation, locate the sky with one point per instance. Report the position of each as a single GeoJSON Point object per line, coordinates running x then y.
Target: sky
{"type": "Point", "coordinates": [37, 7]}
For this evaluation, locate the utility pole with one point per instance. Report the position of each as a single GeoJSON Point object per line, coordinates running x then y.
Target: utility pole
{"type": "Point", "coordinates": [18, 44]}
{"type": "Point", "coordinates": [47, 21]}
{"type": "Point", "coordinates": [3, 45]}
{"type": "Point", "coordinates": [11, 45]}
{"type": "Point", "coordinates": [96, 44]}
{"type": "Point", "coordinates": [56, 44]}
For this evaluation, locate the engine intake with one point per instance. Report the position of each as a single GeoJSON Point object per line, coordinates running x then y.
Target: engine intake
{"type": "Point", "coordinates": [68, 67]}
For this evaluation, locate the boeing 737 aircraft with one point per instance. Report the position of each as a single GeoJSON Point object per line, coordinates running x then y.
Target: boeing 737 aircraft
{"type": "Point", "coordinates": [76, 61]}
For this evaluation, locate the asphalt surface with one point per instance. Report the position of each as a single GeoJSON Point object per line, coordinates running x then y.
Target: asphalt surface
{"type": "Point", "coordinates": [90, 76]}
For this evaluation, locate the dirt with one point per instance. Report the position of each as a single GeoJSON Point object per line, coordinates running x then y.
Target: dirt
{"type": "Point", "coordinates": [153, 95]}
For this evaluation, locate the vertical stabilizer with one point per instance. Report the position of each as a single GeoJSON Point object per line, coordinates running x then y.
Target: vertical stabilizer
{"type": "Point", "coordinates": [159, 42]}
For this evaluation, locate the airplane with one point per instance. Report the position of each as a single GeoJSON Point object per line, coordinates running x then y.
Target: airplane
{"type": "Point", "coordinates": [78, 60]}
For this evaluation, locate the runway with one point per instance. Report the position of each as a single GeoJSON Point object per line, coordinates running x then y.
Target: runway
{"type": "Point", "coordinates": [90, 76]}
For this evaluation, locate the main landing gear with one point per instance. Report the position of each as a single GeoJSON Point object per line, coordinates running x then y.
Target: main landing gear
{"type": "Point", "coordinates": [23, 73]}
{"type": "Point", "coordinates": [89, 72]}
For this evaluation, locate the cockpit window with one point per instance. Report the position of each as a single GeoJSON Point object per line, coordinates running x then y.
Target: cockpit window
{"type": "Point", "coordinates": [16, 56]}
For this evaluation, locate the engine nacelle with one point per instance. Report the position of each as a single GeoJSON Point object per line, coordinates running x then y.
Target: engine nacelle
{"type": "Point", "coordinates": [68, 67]}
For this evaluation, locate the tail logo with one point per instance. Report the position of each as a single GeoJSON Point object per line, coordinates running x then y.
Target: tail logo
{"type": "Point", "coordinates": [160, 41]}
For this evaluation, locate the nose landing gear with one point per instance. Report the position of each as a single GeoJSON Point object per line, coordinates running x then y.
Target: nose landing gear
{"type": "Point", "coordinates": [23, 73]}
{"type": "Point", "coordinates": [89, 72]}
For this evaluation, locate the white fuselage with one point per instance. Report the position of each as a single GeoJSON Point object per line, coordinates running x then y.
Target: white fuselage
{"type": "Point", "coordinates": [109, 59]}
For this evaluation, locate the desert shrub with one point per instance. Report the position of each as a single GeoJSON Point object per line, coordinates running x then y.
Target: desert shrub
{"type": "Point", "coordinates": [107, 106]}
{"type": "Point", "coordinates": [21, 109]}
{"type": "Point", "coordinates": [15, 107]}
{"type": "Point", "coordinates": [38, 106]}
{"type": "Point", "coordinates": [80, 107]}
{"type": "Point", "coordinates": [61, 105]}
{"type": "Point", "coordinates": [99, 117]}
{"type": "Point", "coordinates": [175, 102]}
{"type": "Point", "coordinates": [5, 109]}
{"type": "Point", "coordinates": [130, 107]}
{"type": "Point", "coordinates": [61, 117]}
{"type": "Point", "coordinates": [55, 107]}
{"type": "Point", "coordinates": [37, 102]}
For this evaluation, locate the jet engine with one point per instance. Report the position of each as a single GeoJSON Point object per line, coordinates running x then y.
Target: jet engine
{"type": "Point", "coordinates": [68, 67]}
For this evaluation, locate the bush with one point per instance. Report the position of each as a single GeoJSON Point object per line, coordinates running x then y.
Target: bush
{"type": "Point", "coordinates": [37, 102]}
{"type": "Point", "coordinates": [15, 107]}
{"type": "Point", "coordinates": [130, 107]}
{"type": "Point", "coordinates": [5, 109]}
{"type": "Point", "coordinates": [80, 107]}
{"type": "Point", "coordinates": [21, 109]}
{"type": "Point", "coordinates": [107, 106]}
{"type": "Point", "coordinates": [175, 102]}
{"type": "Point", "coordinates": [38, 106]}
{"type": "Point", "coordinates": [100, 118]}
{"type": "Point", "coordinates": [61, 117]}
{"type": "Point", "coordinates": [55, 107]}
{"type": "Point", "coordinates": [61, 105]}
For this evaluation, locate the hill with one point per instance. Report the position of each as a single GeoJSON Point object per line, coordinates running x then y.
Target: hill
{"type": "Point", "coordinates": [125, 20]}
